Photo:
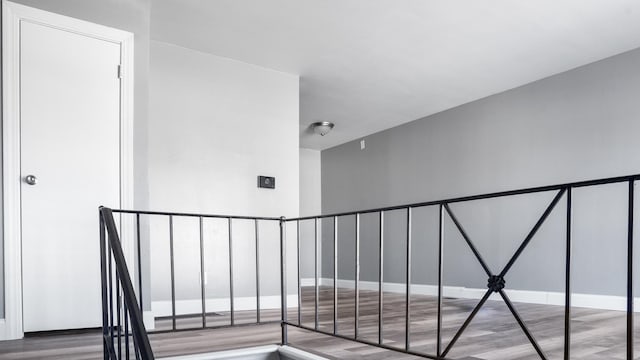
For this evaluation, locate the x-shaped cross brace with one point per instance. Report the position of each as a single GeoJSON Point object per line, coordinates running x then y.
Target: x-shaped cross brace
{"type": "Point", "coordinates": [496, 283]}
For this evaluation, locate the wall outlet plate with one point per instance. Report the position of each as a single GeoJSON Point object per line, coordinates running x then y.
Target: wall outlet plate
{"type": "Point", "coordinates": [267, 182]}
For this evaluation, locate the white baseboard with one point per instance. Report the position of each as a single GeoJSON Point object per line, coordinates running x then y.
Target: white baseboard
{"type": "Point", "coordinates": [163, 308]}
{"type": "Point", "coordinates": [591, 301]}
{"type": "Point", "coordinates": [3, 331]}
{"type": "Point", "coordinates": [308, 282]}
{"type": "Point", "coordinates": [149, 320]}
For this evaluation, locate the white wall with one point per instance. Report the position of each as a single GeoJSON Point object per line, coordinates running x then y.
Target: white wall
{"type": "Point", "coordinates": [310, 180]}
{"type": "Point", "coordinates": [310, 205]}
{"type": "Point", "coordinates": [216, 124]}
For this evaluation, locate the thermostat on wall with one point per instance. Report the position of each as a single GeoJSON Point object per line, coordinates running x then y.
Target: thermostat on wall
{"type": "Point", "coordinates": [267, 182]}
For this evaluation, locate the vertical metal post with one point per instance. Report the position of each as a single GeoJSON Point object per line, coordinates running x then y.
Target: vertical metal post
{"type": "Point", "coordinates": [316, 266]}
{"type": "Point", "coordinates": [335, 274]}
{"type": "Point", "coordinates": [202, 275]}
{"type": "Point", "coordinates": [407, 327]}
{"type": "Point", "coordinates": [283, 281]}
{"type": "Point", "coordinates": [126, 332]}
{"type": "Point", "coordinates": [257, 237]}
{"type": "Point", "coordinates": [139, 261]}
{"type": "Point", "coordinates": [138, 241]}
{"type": "Point", "coordinates": [440, 266]}
{"type": "Point", "coordinates": [630, 271]}
{"type": "Point", "coordinates": [380, 278]}
{"type": "Point", "coordinates": [567, 287]}
{"type": "Point", "coordinates": [173, 277]}
{"type": "Point", "coordinates": [110, 289]}
{"type": "Point", "coordinates": [105, 285]}
{"type": "Point", "coordinates": [298, 271]}
{"type": "Point", "coordinates": [357, 280]}
{"type": "Point", "coordinates": [118, 314]}
{"type": "Point", "coordinates": [231, 300]}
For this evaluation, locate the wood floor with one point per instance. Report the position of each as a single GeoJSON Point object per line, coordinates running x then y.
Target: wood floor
{"type": "Point", "coordinates": [493, 335]}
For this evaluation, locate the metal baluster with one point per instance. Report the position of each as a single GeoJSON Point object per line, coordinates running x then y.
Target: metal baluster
{"type": "Point", "coordinates": [257, 238]}
{"type": "Point", "coordinates": [567, 274]}
{"type": "Point", "coordinates": [357, 279]}
{"type": "Point", "coordinates": [630, 271]}
{"type": "Point", "coordinates": [335, 274]}
{"type": "Point", "coordinates": [407, 305]}
{"type": "Point", "coordinates": [126, 332]}
{"type": "Point", "coordinates": [316, 265]}
{"type": "Point", "coordinates": [380, 278]}
{"type": "Point", "coordinates": [139, 261]}
{"type": "Point", "coordinates": [202, 275]}
{"type": "Point", "coordinates": [298, 264]}
{"type": "Point", "coordinates": [231, 300]}
{"type": "Point", "coordinates": [440, 284]}
{"type": "Point", "coordinates": [118, 314]}
{"type": "Point", "coordinates": [111, 335]}
{"type": "Point", "coordinates": [283, 281]}
{"type": "Point", "coordinates": [173, 278]}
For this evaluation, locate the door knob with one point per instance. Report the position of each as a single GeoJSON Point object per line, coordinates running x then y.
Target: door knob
{"type": "Point", "coordinates": [31, 179]}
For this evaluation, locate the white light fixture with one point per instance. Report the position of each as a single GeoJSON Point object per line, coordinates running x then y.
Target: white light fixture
{"type": "Point", "coordinates": [322, 127]}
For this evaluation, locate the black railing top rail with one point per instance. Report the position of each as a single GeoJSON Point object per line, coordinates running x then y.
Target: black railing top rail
{"type": "Point", "coordinates": [537, 189]}
{"type": "Point", "coordinates": [128, 293]}
{"type": "Point", "coordinates": [578, 184]}
{"type": "Point", "coordinates": [216, 216]}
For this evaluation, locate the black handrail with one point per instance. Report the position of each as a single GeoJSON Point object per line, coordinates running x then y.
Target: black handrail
{"type": "Point", "coordinates": [578, 184]}
{"type": "Point", "coordinates": [111, 255]}
{"type": "Point", "coordinates": [183, 214]}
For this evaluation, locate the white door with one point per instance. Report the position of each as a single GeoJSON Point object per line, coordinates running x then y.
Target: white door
{"type": "Point", "coordinates": [70, 143]}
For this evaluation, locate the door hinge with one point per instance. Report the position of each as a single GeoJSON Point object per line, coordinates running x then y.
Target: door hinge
{"type": "Point", "coordinates": [119, 71]}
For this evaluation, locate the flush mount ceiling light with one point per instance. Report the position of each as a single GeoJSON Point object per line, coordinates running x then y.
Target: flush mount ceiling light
{"type": "Point", "coordinates": [322, 127]}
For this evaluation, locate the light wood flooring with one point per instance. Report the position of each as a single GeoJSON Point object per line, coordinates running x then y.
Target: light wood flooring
{"type": "Point", "coordinates": [493, 335]}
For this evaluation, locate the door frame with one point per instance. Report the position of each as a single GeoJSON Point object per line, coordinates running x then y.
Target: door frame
{"type": "Point", "coordinates": [12, 15]}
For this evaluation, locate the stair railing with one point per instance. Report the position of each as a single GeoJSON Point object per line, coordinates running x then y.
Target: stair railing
{"type": "Point", "coordinates": [115, 333]}
{"type": "Point", "coordinates": [123, 331]}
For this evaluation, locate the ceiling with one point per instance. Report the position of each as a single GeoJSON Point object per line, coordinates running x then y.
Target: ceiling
{"type": "Point", "coordinates": [368, 65]}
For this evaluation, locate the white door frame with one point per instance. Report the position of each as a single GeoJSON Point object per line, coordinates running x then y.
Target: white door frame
{"type": "Point", "coordinates": [12, 15]}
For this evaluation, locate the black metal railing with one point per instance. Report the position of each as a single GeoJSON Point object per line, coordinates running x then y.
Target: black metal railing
{"type": "Point", "coordinates": [123, 330]}
{"type": "Point", "coordinates": [496, 283]}
{"type": "Point", "coordinates": [496, 279]}
{"type": "Point", "coordinates": [128, 320]}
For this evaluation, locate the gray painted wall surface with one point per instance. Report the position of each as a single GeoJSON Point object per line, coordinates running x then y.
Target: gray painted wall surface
{"type": "Point", "coordinates": [577, 125]}
{"type": "Point", "coordinates": [133, 16]}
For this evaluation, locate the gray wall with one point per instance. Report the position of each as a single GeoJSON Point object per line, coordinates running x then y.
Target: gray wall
{"type": "Point", "coordinates": [577, 125]}
{"type": "Point", "coordinates": [133, 16]}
